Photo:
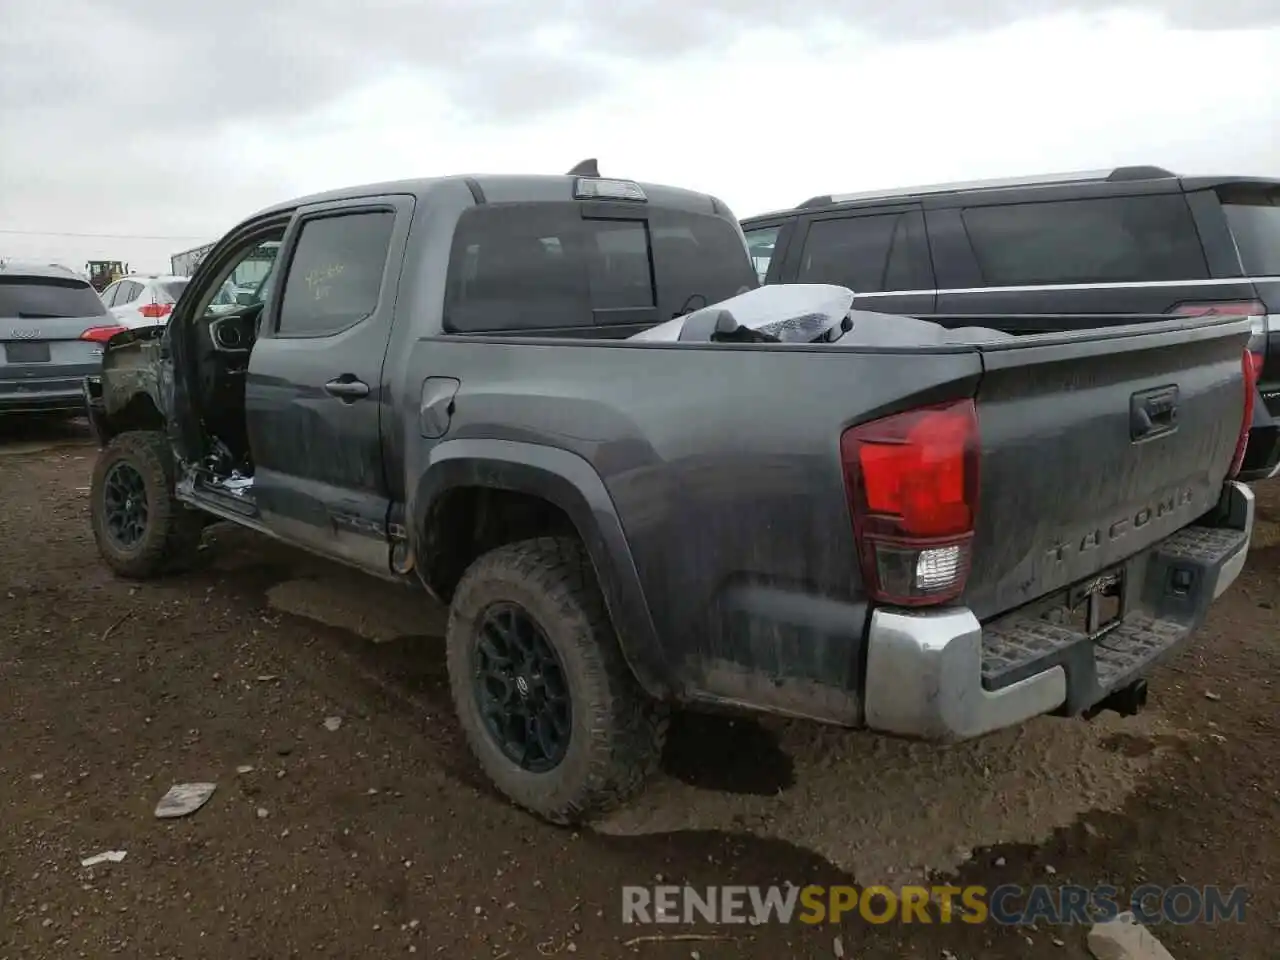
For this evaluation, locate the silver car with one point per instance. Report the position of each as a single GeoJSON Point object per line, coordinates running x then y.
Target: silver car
{"type": "Point", "coordinates": [53, 326]}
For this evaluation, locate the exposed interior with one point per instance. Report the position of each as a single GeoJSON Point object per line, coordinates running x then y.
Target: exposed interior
{"type": "Point", "coordinates": [223, 335]}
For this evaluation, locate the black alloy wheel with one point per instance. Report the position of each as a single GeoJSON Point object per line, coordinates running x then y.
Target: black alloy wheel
{"type": "Point", "coordinates": [520, 689]}
{"type": "Point", "coordinates": [124, 504]}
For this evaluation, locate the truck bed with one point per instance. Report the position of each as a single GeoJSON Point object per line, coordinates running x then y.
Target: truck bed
{"type": "Point", "coordinates": [723, 463]}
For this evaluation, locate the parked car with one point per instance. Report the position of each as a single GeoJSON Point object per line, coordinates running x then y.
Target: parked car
{"type": "Point", "coordinates": [143, 300]}
{"type": "Point", "coordinates": [1053, 253]}
{"type": "Point", "coordinates": [452, 385]}
{"type": "Point", "coordinates": [52, 330]}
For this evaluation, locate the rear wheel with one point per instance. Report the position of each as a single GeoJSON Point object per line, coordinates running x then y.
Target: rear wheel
{"type": "Point", "coordinates": [141, 529]}
{"type": "Point", "coordinates": [543, 694]}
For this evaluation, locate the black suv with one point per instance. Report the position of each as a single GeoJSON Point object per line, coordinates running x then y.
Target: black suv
{"type": "Point", "coordinates": [1052, 253]}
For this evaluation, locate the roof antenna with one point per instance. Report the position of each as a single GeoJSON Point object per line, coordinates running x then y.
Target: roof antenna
{"type": "Point", "coordinates": [587, 168]}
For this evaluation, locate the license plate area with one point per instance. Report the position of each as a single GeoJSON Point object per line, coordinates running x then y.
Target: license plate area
{"type": "Point", "coordinates": [1096, 606]}
{"type": "Point", "coordinates": [26, 352]}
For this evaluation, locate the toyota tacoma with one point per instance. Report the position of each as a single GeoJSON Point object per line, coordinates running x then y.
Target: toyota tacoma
{"type": "Point", "coordinates": [450, 383]}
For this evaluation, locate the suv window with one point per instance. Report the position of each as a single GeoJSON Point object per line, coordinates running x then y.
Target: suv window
{"type": "Point", "coordinates": [760, 244]}
{"type": "Point", "coordinates": [543, 266]}
{"type": "Point", "coordinates": [335, 276]}
{"type": "Point", "coordinates": [868, 254]}
{"type": "Point", "coordinates": [1106, 240]}
{"type": "Point", "coordinates": [41, 297]}
{"type": "Point", "coordinates": [1255, 224]}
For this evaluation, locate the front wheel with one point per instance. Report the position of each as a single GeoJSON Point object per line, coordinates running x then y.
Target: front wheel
{"type": "Point", "coordinates": [141, 528]}
{"type": "Point", "coordinates": [546, 700]}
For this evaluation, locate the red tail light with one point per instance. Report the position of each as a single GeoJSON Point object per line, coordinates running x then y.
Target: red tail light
{"type": "Point", "coordinates": [1250, 369]}
{"type": "Point", "coordinates": [1256, 359]}
{"type": "Point", "coordinates": [912, 481]}
{"type": "Point", "coordinates": [156, 310]}
{"type": "Point", "coordinates": [101, 334]}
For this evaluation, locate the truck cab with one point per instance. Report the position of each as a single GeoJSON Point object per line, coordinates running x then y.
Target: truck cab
{"type": "Point", "coordinates": [287, 409]}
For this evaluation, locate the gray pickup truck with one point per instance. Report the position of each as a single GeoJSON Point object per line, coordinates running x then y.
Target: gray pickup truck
{"type": "Point", "coordinates": [439, 382]}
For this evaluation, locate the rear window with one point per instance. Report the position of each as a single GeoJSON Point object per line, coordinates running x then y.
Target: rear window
{"type": "Point", "coordinates": [1255, 224]}
{"type": "Point", "coordinates": [544, 266]}
{"type": "Point", "coordinates": [46, 297]}
{"type": "Point", "coordinates": [173, 288]}
{"type": "Point", "coordinates": [1107, 240]}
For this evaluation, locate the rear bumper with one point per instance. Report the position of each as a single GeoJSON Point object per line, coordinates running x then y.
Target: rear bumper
{"type": "Point", "coordinates": [944, 676]}
{"type": "Point", "coordinates": [38, 395]}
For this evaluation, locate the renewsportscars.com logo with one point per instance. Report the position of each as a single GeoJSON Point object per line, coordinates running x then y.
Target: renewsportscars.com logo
{"type": "Point", "coordinates": [1008, 904]}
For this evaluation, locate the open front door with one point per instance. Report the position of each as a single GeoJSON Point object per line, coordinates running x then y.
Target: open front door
{"type": "Point", "coordinates": [314, 393]}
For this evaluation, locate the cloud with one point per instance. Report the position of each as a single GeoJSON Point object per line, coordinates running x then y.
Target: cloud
{"type": "Point", "coordinates": [174, 119]}
{"type": "Point", "coordinates": [199, 63]}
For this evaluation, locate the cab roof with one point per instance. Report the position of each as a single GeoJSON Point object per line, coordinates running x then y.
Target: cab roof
{"type": "Point", "coordinates": [508, 188]}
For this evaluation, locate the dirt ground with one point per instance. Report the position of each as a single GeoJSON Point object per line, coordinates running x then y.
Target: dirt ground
{"type": "Point", "coordinates": [379, 839]}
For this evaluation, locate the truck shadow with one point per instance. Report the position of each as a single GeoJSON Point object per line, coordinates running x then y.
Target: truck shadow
{"type": "Point", "coordinates": [392, 638]}
{"type": "Point", "coordinates": [726, 754]}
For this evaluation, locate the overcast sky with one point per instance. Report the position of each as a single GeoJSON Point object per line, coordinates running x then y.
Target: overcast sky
{"type": "Point", "coordinates": [173, 119]}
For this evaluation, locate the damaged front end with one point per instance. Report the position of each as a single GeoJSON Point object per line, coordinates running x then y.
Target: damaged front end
{"type": "Point", "coordinates": [135, 386]}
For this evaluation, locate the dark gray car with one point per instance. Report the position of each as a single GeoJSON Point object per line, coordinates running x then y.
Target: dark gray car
{"type": "Point", "coordinates": [53, 326]}
{"type": "Point", "coordinates": [443, 388]}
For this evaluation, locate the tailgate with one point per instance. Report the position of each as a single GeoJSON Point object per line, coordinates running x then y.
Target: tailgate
{"type": "Point", "coordinates": [31, 345]}
{"type": "Point", "coordinates": [1096, 446]}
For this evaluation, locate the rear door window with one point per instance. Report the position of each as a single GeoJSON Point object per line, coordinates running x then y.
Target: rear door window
{"type": "Point", "coordinates": [1255, 224]}
{"type": "Point", "coordinates": [335, 275]}
{"type": "Point", "coordinates": [48, 297]}
{"type": "Point", "coordinates": [867, 254]}
{"type": "Point", "coordinates": [1103, 240]}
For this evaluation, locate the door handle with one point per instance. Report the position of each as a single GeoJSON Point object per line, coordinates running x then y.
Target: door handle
{"type": "Point", "coordinates": [347, 388]}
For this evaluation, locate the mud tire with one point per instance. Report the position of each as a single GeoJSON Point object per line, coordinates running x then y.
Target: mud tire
{"type": "Point", "coordinates": [616, 730]}
{"type": "Point", "coordinates": [171, 535]}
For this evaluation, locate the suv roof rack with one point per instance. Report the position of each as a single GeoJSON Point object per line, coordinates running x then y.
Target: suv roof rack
{"type": "Point", "coordinates": [1118, 175]}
